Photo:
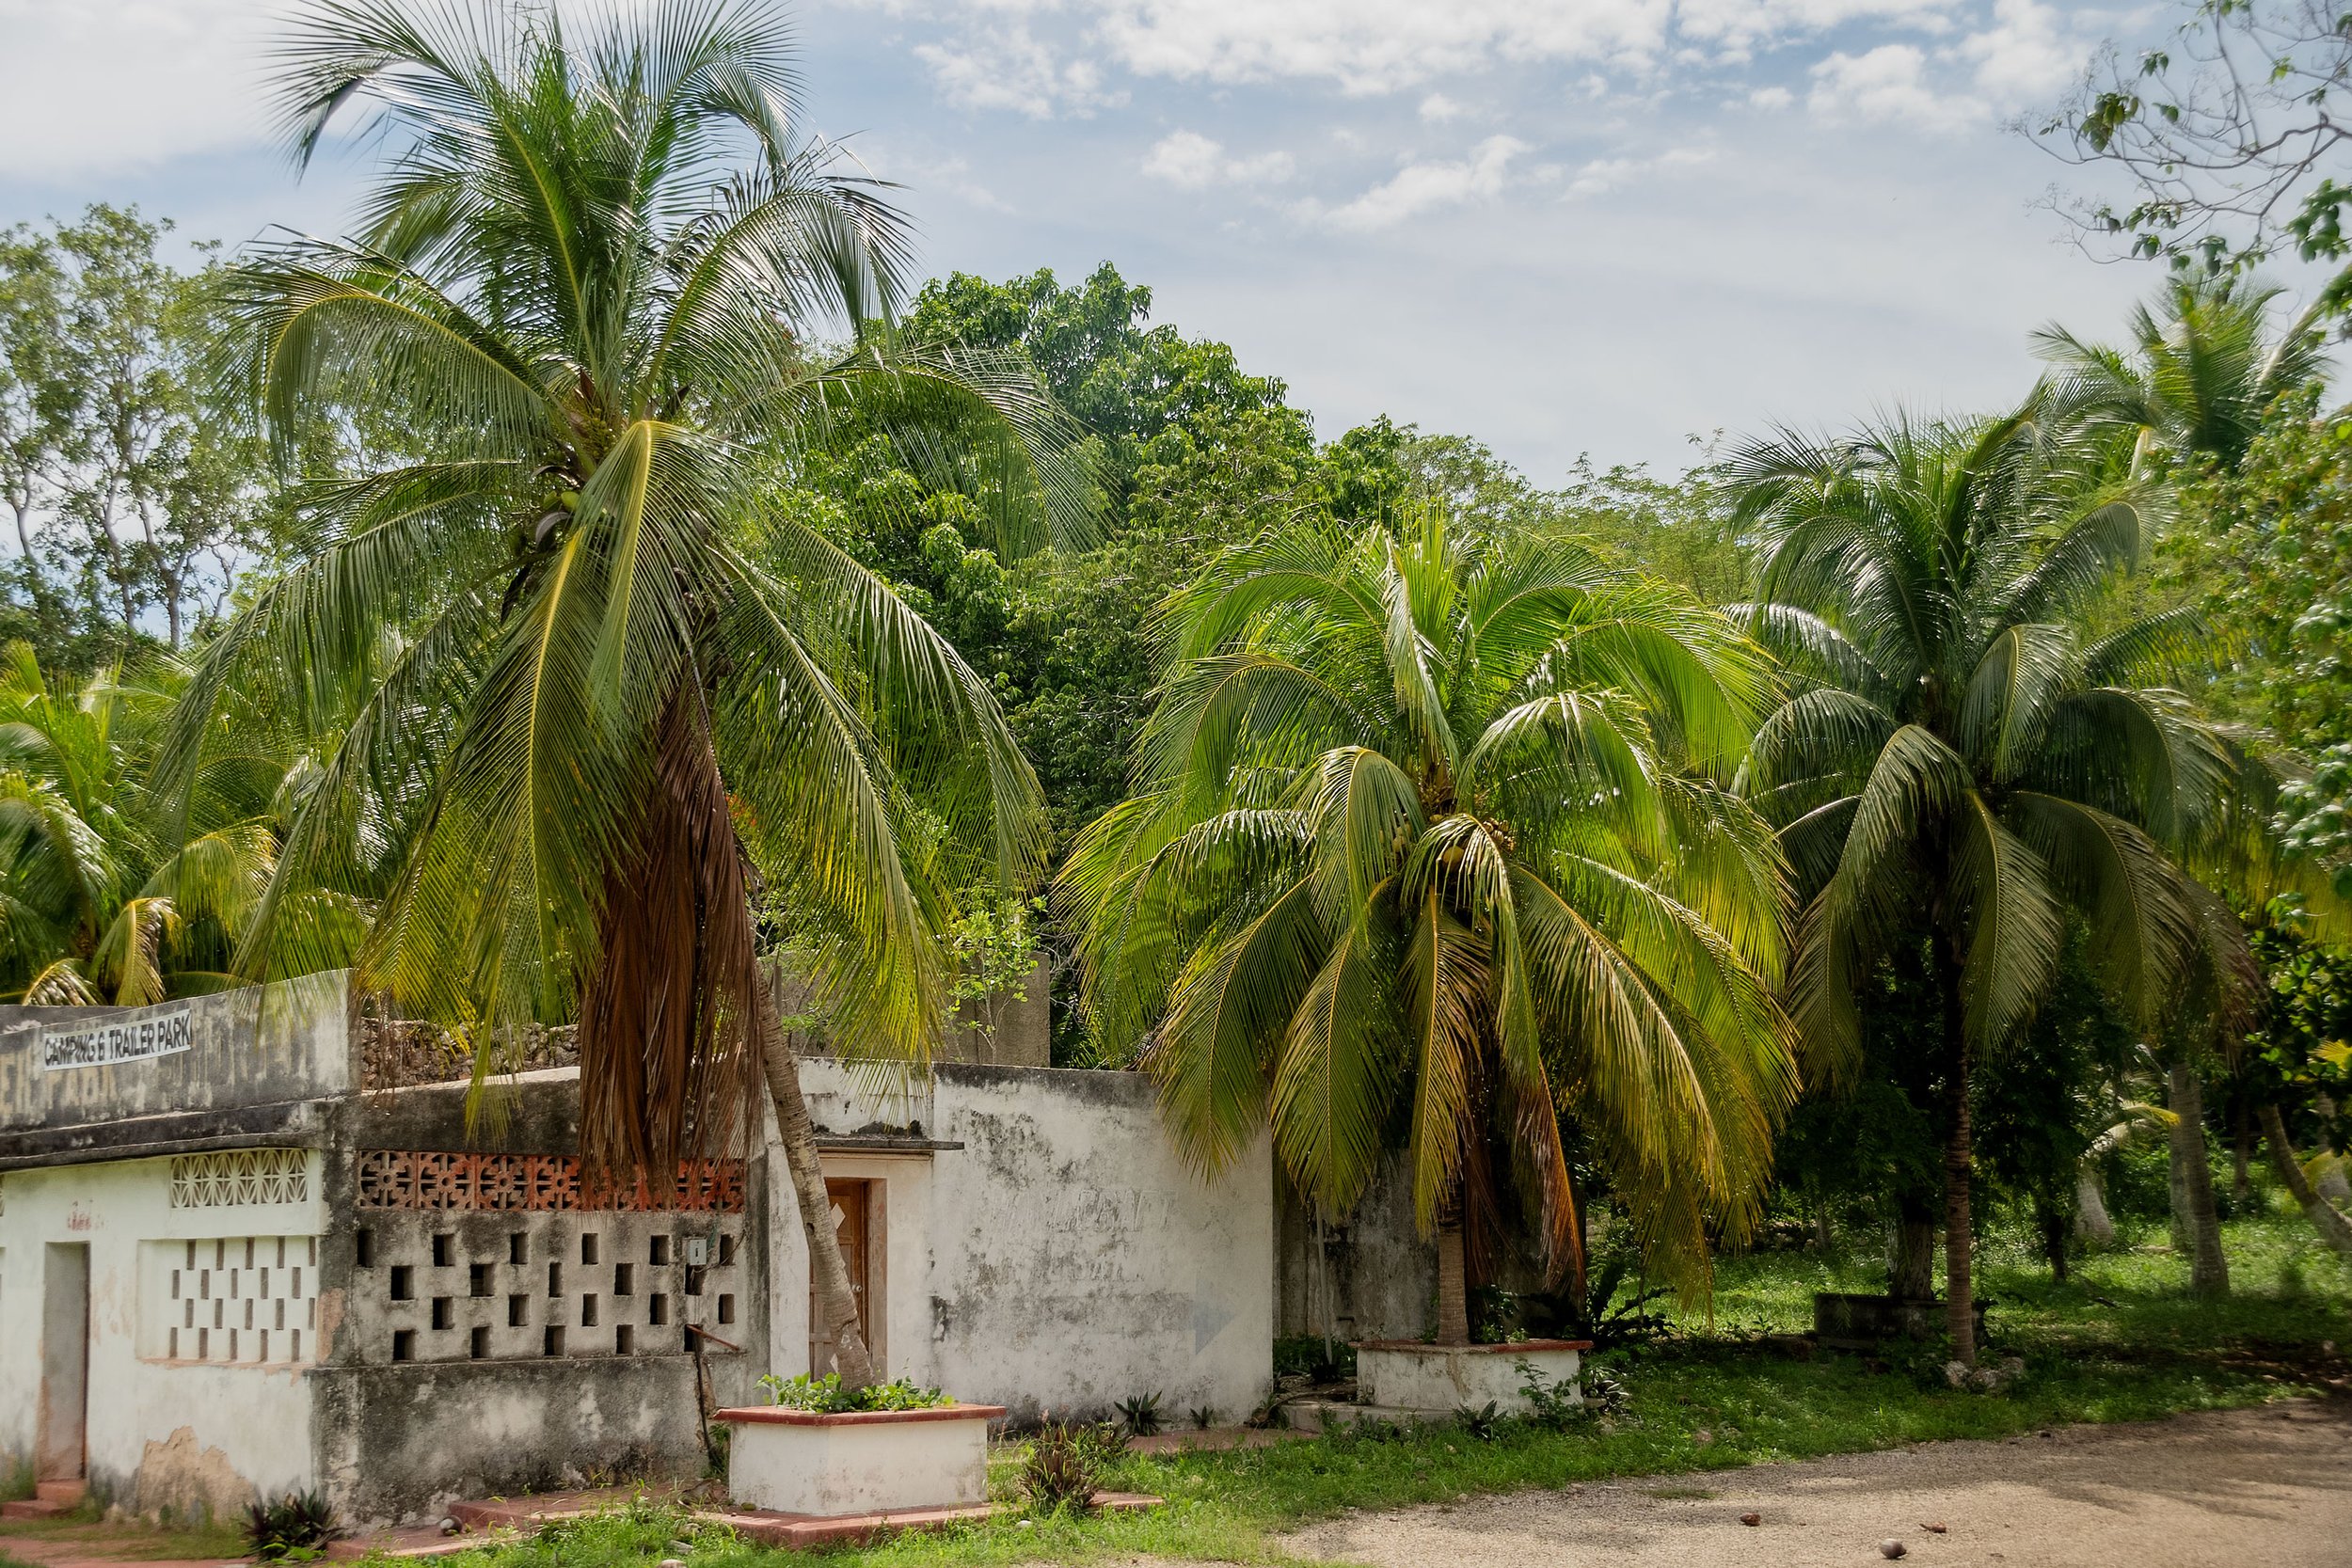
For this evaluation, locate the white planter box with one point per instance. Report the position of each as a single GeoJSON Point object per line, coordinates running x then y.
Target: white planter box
{"type": "Point", "coordinates": [865, 1462]}
{"type": "Point", "coordinates": [1405, 1374]}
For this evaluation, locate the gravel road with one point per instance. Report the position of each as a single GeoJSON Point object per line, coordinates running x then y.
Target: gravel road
{"type": "Point", "coordinates": [2270, 1486]}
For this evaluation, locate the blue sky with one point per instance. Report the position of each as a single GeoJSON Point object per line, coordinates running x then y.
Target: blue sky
{"type": "Point", "coordinates": [1561, 226]}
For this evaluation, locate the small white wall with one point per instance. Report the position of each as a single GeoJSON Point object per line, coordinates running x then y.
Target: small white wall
{"type": "Point", "coordinates": [161, 1432]}
{"type": "Point", "coordinates": [1062, 1259]}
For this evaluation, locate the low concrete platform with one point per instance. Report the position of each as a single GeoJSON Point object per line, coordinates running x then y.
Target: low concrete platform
{"type": "Point", "coordinates": [50, 1498]}
{"type": "Point", "coordinates": [516, 1516]}
{"type": "Point", "coordinates": [799, 1531]}
{"type": "Point", "coordinates": [1309, 1417]}
{"type": "Point", "coordinates": [1209, 1440]}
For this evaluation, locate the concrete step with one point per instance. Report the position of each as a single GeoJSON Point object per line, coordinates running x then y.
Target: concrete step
{"type": "Point", "coordinates": [33, 1508]}
{"type": "Point", "coordinates": [1321, 1416]}
{"type": "Point", "coordinates": [49, 1500]}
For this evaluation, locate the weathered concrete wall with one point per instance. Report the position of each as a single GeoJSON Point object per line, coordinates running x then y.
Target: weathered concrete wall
{"type": "Point", "coordinates": [1063, 1258]}
{"type": "Point", "coordinates": [398, 1441]}
{"type": "Point", "coordinates": [1373, 1277]}
{"type": "Point", "coordinates": [254, 1049]}
{"type": "Point", "coordinates": [1023, 1032]}
{"type": "Point", "coordinates": [180, 1432]}
{"type": "Point", "coordinates": [489, 1352]}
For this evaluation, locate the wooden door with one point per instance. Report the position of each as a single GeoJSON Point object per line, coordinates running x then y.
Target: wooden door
{"type": "Point", "coordinates": [850, 1225]}
{"type": "Point", "coordinates": [62, 1439]}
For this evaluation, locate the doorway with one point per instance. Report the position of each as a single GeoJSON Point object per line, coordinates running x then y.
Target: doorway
{"type": "Point", "coordinates": [853, 1223]}
{"type": "Point", "coordinates": [62, 1445]}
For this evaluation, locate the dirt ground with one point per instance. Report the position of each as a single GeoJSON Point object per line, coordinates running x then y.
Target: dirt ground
{"type": "Point", "coordinates": [2271, 1487]}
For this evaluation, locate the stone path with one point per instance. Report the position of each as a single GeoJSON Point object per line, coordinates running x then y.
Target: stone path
{"type": "Point", "coordinates": [2271, 1487]}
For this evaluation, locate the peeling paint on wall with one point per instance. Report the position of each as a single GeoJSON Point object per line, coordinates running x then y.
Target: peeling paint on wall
{"type": "Point", "coordinates": [188, 1479]}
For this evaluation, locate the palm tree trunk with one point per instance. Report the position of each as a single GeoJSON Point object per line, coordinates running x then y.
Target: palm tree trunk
{"type": "Point", "coordinates": [2334, 1185]}
{"type": "Point", "coordinates": [1960, 1286]}
{"type": "Point", "coordinates": [2194, 1216]}
{"type": "Point", "coordinates": [2326, 1218]}
{"type": "Point", "coordinates": [1911, 1267]}
{"type": "Point", "coordinates": [828, 1273]}
{"type": "Point", "coordinates": [1453, 1287]}
{"type": "Point", "coordinates": [2057, 1229]}
{"type": "Point", "coordinates": [2241, 1153]}
{"type": "Point", "coordinates": [1959, 1283]}
{"type": "Point", "coordinates": [2091, 1221]}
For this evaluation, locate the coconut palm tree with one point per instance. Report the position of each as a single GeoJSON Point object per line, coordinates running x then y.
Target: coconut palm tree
{"type": "Point", "coordinates": [1430, 835]}
{"type": "Point", "coordinates": [607, 686]}
{"type": "Point", "coordinates": [104, 898]}
{"type": "Point", "coordinates": [1958, 744]}
{"type": "Point", "coordinates": [2201, 368]}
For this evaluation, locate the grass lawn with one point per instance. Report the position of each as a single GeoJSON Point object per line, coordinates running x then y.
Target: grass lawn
{"type": "Point", "coordinates": [128, 1540]}
{"type": "Point", "coordinates": [2121, 1344]}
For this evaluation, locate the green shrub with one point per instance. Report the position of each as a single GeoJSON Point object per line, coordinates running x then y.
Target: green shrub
{"type": "Point", "coordinates": [297, 1528]}
{"type": "Point", "coordinates": [826, 1394]}
{"type": "Point", "coordinates": [1065, 1465]}
{"type": "Point", "coordinates": [1313, 1357]}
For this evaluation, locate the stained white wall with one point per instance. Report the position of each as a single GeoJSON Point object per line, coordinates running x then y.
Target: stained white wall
{"type": "Point", "coordinates": [162, 1432]}
{"type": "Point", "coordinates": [1062, 1259]}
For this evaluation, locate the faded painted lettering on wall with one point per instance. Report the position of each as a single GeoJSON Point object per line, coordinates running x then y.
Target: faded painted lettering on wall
{"type": "Point", "coordinates": [101, 1044]}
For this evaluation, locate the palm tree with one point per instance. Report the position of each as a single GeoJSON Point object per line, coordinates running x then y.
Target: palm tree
{"type": "Point", "coordinates": [1430, 835]}
{"type": "Point", "coordinates": [1958, 745]}
{"type": "Point", "coordinates": [2202, 369]}
{"type": "Point", "coordinates": [607, 686]}
{"type": "Point", "coordinates": [104, 898]}
{"type": "Point", "coordinates": [2199, 376]}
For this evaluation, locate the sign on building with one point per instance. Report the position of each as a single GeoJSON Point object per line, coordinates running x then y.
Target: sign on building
{"type": "Point", "coordinates": [67, 1045]}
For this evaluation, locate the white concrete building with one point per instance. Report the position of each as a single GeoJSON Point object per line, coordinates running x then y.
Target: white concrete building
{"type": "Point", "coordinates": [226, 1270]}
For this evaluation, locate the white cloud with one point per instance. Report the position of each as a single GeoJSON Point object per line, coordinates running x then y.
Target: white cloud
{"type": "Point", "coordinates": [1192, 161]}
{"type": "Point", "coordinates": [2027, 54]}
{"type": "Point", "coordinates": [1367, 46]}
{"type": "Point", "coordinates": [1740, 26]}
{"type": "Point", "coordinates": [1887, 86]}
{"type": "Point", "coordinates": [1771, 98]}
{"type": "Point", "coordinates": [1603, 175]}
{"type": "Point", "coordinates": [97, 86]}
{"type": "Point", "coordinates": [1438, 108]}
{"type": "Point", "coordinates": [926, 175]}
{"type": "Point", "coordinates": [1011, 68]}
{"type": "Point", "coordinates": [1419, 187]}
{"type": "Point", "coordinates": [1370, 46]}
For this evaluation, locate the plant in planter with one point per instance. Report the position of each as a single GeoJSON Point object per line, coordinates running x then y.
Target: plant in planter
{"type": "Point", "coordinates": [820, 1447]}
{"type": "Point", "coordinates": [827, 1394]}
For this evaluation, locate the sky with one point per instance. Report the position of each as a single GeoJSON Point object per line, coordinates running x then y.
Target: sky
{"type": "Point", "coordinates": [1563, 226]}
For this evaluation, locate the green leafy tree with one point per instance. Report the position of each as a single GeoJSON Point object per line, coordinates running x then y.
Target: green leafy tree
{"type": "Point", "coordinates": [135, 493]}
{"type": "Point", "coordinates": [2300, 1055]}
{"type": "Point", "coordinates": [2230, 132]}
{"type": "Point", "coordinates": [2270, 563]}
{"type": "Point", "coordinates": [1956, 746]}
{"type": "Point", "coordinates": [591, 278]}
{"type": "Point", "coordinates": [1430, 835]}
